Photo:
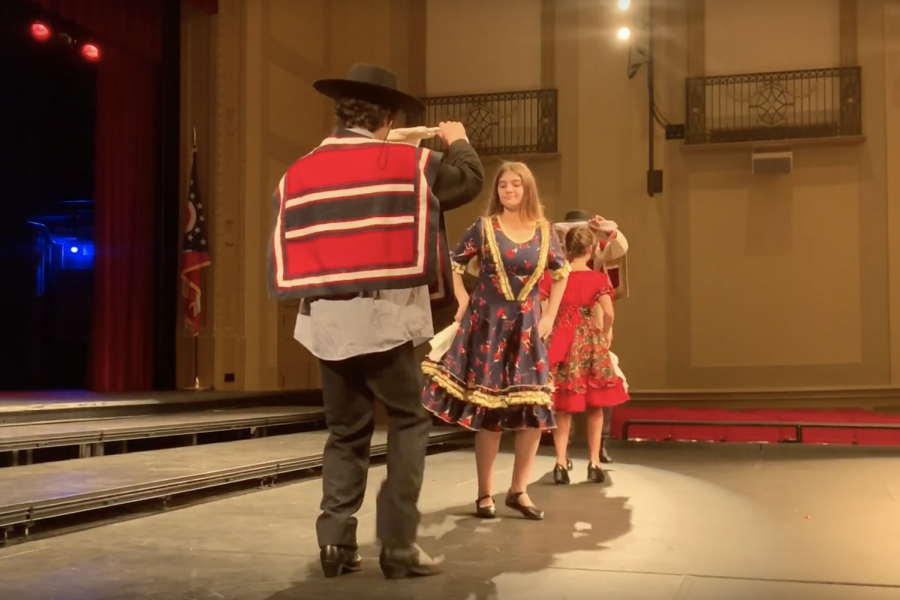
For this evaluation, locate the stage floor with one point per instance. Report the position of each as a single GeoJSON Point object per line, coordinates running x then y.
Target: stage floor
{"type": "Point", "coordinates": [70, 399]}
{"type": "Point", "coordinates": [685, 522]}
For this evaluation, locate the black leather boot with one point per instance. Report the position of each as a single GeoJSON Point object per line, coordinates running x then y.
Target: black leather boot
{"type": "Point", "coordinates": [337, 560]}
{"type": "Point", "coordinates": [408, 562]}
{"type": "Point", "coordinates": [604, 457]}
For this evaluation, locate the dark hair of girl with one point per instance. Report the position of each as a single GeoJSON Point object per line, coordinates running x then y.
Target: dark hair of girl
{"type": "Point", "coordinates": [579, 240]}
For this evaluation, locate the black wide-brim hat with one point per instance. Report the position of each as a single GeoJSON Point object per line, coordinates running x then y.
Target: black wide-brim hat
{"type": "Point", "coordinates": [373, 84]}
{"type": "Point", "coordinates": [576, 216]}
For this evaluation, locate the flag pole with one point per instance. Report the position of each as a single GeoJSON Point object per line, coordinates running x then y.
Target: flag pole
{"type": "Point", "coordinates": [196, 360]}
{"type": "Point", "coordinates": [194, 257]}
{"type": "Point", "coordinates": [196, 345]}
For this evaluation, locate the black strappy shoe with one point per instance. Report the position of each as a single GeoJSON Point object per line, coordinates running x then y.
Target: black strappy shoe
{"type": "Point", "coordinates": [560, 475]}
{"type": "Point", "coordinates": [529, 512]}
{"type": "Point", "coordinates": [595, 474]}
{"type": "Point", "coordinates": [485, 512]}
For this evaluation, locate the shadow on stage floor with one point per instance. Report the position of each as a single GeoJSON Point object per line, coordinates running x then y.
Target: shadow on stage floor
{"type": "Point", "coordinates": [477, 551]}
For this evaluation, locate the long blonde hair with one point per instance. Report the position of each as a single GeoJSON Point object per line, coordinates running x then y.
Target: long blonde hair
{"type": "Point", "coordinates": [531, 208]}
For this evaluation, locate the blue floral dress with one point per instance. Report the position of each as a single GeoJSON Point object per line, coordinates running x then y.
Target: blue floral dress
{"type": "Point", "coordinates": [494, 376]}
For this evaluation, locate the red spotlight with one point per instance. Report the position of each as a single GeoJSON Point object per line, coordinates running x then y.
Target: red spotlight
{"type": "Point", "coordinates": [40, 31]}
{"type": "Point", "coordinates": [90, 52]}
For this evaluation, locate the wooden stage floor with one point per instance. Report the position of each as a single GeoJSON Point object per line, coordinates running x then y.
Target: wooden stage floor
{"type": "Point", "coordinates": [675, 522]}
{"type": "Point", "coordinates": [72, 399]}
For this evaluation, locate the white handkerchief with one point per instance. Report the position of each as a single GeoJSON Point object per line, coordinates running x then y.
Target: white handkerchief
{"type": "Point", "coordinates": [412, 135]}
{"type": "Point", "coordinates": [615, 363]}
{"type": "Point", "coordinates": [442, 341]}
{"type": "Point", "coordinates": [605, 226]}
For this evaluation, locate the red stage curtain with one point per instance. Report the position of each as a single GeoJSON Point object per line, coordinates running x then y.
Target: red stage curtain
{"type": "Point", "coordinates": [125, 214]}
{"type": "Point", "coordinates": [210, 7]}
{"type": "Point", "coordinates": [129, 33]}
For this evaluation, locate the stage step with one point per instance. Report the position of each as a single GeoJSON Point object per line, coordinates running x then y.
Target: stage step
{"type": "Point", "coordinates": [93, 437]}
{"type": "Point", "coordinates": [45, 407]}
{"type": "Point", "coordinates": [45, 492]}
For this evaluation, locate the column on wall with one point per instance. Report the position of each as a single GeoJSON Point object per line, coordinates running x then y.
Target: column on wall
{"type": "Point", "coordinates": [266, 114]}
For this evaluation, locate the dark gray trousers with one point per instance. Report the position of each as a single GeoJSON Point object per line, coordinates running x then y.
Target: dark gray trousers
{"type": "Point", "coordinates": [348, 389]}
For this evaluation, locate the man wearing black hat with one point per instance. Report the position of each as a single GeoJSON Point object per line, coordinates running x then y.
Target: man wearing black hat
{"type": "Point", "coordinates": [359, 239]}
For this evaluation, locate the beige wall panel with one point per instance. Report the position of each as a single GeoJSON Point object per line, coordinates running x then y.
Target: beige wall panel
{"type": "Point", "coordinates": [774, 265]}
{"type": "Point", "coordinates": [298, 24]}
{"type": "Point", "coordinates": [771, 35]}
{"type": "Point", "coordinates": [501, 52]}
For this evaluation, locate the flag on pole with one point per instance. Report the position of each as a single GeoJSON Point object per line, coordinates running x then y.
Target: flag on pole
{"type": "Point", "coordinates": [195, 249]}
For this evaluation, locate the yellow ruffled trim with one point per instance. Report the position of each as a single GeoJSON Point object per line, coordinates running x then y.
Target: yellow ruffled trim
{"type": "Point", "coordinates": [542, 261]}
{"type": "Point", "coordinates": [489, 400]}
{"type": "Point", "coordinates": [491, 237]}
{"type": "Point", "coordinates": [497, 257]}
{"type": "Point", "coordinates": [457, 268]}
{"type": "Point", "coordinates": [561, 273]}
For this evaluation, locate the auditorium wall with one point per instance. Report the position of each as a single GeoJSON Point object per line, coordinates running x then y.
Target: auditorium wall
{"type": "Point", "coordinates": [501, 52]}
{"type": "Point", "coordinates": [738, 282]}
{"type": "Point", "coordinates": [509, 48]}
{"type": "Point", "coordinates": [250, 70]}
{"type": "Point", "coordinates": [741, 281]}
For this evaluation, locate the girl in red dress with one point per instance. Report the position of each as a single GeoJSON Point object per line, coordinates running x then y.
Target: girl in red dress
{"type": "Point", "coordinates": [581, 370]}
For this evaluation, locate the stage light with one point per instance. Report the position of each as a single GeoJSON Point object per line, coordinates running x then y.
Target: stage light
{"type": "Point", "coordinates": [624, 4]}
{"type": "Point", "coordinates": [90, 52]}
{"type": "Point", "coordinates": [40, 32]}
{"type": "Point", "coordinates": [74, 249]}
{"type": "Point", "coordinates": [624, 33]}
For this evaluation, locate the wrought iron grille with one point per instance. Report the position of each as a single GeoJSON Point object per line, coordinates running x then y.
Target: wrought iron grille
{"type": "Point", "coordinates": [754, 107]}
{"type": "Point", "coordinates": [505, 123]}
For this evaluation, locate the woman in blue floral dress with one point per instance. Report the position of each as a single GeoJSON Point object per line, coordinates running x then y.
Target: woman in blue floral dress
{"type": "Point", "coordinates": [494, 377]}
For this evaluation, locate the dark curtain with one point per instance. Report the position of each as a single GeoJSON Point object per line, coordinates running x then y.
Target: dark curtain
{"type": "Point", "coordinates": [130, 35]}
{"type": "Point", "coordinates": [210, 7]}
{"type": "Point", "coordinates": [125, 235]}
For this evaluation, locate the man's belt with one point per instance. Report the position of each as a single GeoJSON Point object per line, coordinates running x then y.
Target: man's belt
{"type": "Point", "coordinates": [305, 303]}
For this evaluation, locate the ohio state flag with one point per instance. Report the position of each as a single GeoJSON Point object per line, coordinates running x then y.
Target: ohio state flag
{"type": "Point", "coordinates": [194, 251]}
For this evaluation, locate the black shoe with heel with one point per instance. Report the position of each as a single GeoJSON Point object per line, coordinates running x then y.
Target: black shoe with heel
{"type": "Point", "coordinates": [569, 465]}
{"type": "Point", "coordinates": [595, 474]}
{"type": "Point", "coordinates": [485, 512]}
{"type": "Point", "coordinates": [560, 475]}
{"type": "Point", "coordinates": [514, 501]}
{"type": "Point", "coordinates": [337, 560]}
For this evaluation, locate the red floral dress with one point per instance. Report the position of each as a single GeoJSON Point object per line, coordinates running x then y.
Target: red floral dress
{"type": "Point", "coordinates": [494, 376]}
{"type": "Point", "coordinates": [581, 370]}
